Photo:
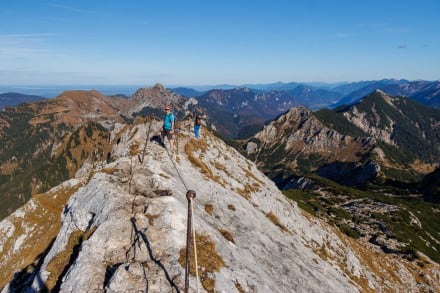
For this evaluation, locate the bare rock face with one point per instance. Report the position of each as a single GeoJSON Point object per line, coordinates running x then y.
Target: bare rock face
{"type": "Point", "coordinates": [298, 140]}
{"type": "Point", "coordinates": [299, 130]}
{"type": "Point", "coordinates": [122, 235]}
{"type": "Point", "coordinates": [359, 119]}
{"type": "Point", "coordinates": [154, 97]}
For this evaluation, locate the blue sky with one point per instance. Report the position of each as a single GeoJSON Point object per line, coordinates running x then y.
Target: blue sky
{"type": "Point", "coordinates": [54, 42]}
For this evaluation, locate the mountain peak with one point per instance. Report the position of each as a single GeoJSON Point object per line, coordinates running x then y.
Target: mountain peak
{"type": "Point", "coordinates": [243, 89]}
{"type": "Point", "coordinates": [378, 91]}
{"type": "Point", "coordinates": [159, 87]}
{"type": "Point", "coordinates": [155, 97]}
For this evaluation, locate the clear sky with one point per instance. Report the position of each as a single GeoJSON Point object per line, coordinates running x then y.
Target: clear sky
{"type": "Point", "coordinates": [187, 42]}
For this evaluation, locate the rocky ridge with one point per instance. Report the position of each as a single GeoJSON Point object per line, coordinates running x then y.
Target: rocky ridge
{"type": "Point", "coordinates": [399, 122]}
{"type": "Point", "coordinates": [156, 97]}
{"type": "Point", "coordinates": [298, 141]}
{"type": "Point", "coordinates": [124, 230]}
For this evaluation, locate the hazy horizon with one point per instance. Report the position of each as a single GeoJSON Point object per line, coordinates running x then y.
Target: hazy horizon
{"type": "Point", "coordinates": [112, 89]}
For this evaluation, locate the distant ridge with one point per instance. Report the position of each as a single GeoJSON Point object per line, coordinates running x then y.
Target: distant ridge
{"type": "Point", "coordinates": [422, 91]}
{"type": "Point", "coordinates": [187, 92]}
{"type": "Point", "coordinates": [13, 99]}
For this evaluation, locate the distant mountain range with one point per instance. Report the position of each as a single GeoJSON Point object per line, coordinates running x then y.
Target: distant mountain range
{"type": "Point", "coordinates": [13, 99]}
{"type": "Point", "coordinates": [187, 92]}
{"type": "Point", "coordinates": [313, 95]}
{"type": "Point", "coordinates": [425, 92]}
{"type": "Point", "coordinates": [319, 95]}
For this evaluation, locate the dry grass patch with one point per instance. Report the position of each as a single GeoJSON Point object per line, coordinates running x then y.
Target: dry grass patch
{"type": "Point", "coordinates": [200, 145]}
{"type": "Point", "coordinates": [251, 175]}
{"type": "Point", "coordinates": [151, 218]}
{"type": "Point", "coordinates": [323, 252]}
{"type": "Point", "coordinates": [8, 167]}
{"type": "Point", "coordinates": [191, 151]}
{"type": "Point", "coordinates": [247, 191]}
{"type": "Point", "coordinates": [91, 174]}
{"type": "Point", "coordinates": [208, 260]}
{"type": "Point", "coordinates": [209, 208]}
{"type": "Point", "coordinates": [133, 132]}
{"type": "Point", "coordinates": [134, 149]}
{"type": "Point", "coordinates": [222, 167]}
{"type": "Point", "coordinates": [422, 167]}
{"type": "Point", "coordinates": [45, 222]}
{"type": "Point", "coordinates": [109, 171]}
{"type": "Point", "coordinates": [164, 176]}
{"type": "Point", "coordinates": [60, 262]}
{"type": "Point", "coordinates": [271, 216]}
{"type": "Point", "coordinates": [54, 202]}
{"type": "Point", "coordinates": [228, 235]}
{"type": "Point", "coordinates": [39, 120]}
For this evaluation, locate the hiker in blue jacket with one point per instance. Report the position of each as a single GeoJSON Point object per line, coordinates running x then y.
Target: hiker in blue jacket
{"type": "Point", "coordinates": [197, 124]}
{"type": "Point", "coordinates": [168, 127]}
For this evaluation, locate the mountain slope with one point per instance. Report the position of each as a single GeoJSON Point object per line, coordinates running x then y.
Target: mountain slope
{"type": "Point", "coordinates": [124, 230]}
{"type": "Point", "coordinates": [383, 145]}
{"type": "Point", "coordinates": [13, 99]}
{"type": "Point", "coordinates": [314, 98]}
{"type": "Point", "coordinates": [232, 110]}
{"type": "Point", "coordinates": [35, 135]}
{"type": "Point", "coordinates": [187, 92]}
{"type": "Point", "coordinates": [297, 142]}
{"type": "Point", "coordinates": [399, 122]}
{"type": "Point", "coordinates": [429, 96]}
{"type": "Point", "coordinates": [394, 135]}
{"type": "Point", "coordinates": [368, 87]}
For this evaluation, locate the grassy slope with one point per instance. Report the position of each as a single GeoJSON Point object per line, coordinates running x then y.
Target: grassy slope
{"type": "Point", "coordinates": [424, 239]}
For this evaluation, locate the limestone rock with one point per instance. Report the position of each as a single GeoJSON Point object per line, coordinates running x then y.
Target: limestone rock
{"type": "Point", "coordinates": [129, 236]}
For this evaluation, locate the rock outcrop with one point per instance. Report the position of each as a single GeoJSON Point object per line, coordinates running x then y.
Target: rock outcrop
{"type": "Point", "coordinates": [299, 142]}
{"type": "Point", "coordinates": [156, 97]}
{"type": "Point", "coordinates": [124, 230]}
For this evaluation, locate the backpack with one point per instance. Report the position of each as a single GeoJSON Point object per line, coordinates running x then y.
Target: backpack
{"type": "Point", "coordinates": [198, 120]}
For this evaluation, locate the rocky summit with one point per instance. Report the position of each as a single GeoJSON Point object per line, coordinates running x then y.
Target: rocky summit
{"type": "Point", "coordinates": [120, 226]}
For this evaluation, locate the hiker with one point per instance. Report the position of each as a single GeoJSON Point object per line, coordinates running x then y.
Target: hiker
{"type": "Point", "coordinates": [197, 124]}
{"type": "Point", "coordinates": [168, 126]}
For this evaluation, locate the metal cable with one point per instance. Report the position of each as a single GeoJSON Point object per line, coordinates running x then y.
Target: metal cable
{"type": "Point", "coordinates": [190, 231]}
{"type": "Point", "coordinates": [177, 170]}
{"type": "Point", "coordinates": [195, 252]}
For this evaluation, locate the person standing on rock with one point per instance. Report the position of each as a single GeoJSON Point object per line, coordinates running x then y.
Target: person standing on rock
{"type": "Point", "coordinates": [168, 127]}
{"type": "Point", "coordinates": [197, 124]}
